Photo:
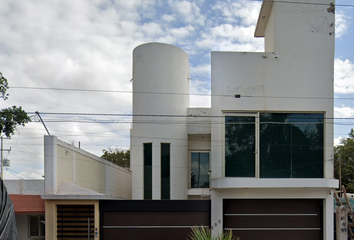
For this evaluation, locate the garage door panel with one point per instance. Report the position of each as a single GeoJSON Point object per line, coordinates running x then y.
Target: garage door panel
{"type": "Point", "coordinates": [290, 206]}
{"type": "Point", "coordinates": [279, 235]}
{"type": "Point", "coordinates": [158, 219]}
{"type": "Point", "coordinates": [146, 234]}
{"type": "Point", "coordinates": [273, 221]}
{"type": "Point", "coordinates": [151, 219]}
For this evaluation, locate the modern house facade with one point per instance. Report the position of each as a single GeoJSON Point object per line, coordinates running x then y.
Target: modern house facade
{"type": "Point", "coordinates": [263, 152]}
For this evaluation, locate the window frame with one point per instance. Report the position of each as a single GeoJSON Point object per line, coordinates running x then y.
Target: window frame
{"type": "Point", "coordinates": [190, 167]}
{"type": "Point", "coordinates": [256, 153]}
{"type": "Point", "coordinates": [257, 135]}
{"type": "Point", "coordinates": [39, 221]}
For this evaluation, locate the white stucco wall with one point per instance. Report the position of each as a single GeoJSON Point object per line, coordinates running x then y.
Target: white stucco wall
{"type": "Point", "coordinates": [160, 102]}
{"type": "Point", "coordinates": [73, 165]}
{"type": "Point", "coordinates": [198, 120]}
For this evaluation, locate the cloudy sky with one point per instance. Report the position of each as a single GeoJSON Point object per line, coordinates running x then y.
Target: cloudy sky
{"type": "Point", "coordinates": [64, 57]}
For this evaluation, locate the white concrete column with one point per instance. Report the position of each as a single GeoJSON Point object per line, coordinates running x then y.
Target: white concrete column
{"type": "Point", "coordinates": [156, 171]}
{"type": "Point", "coordinates": [216, 212]}
{"type": "Point", "coordinates": [50, 165]}
{"type": "Point", "coordinates": [328, 219]}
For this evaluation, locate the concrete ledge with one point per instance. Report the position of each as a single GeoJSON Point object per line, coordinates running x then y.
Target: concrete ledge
{"type": "Point", "coordinates": [80, 197]}
{"type": "Point", "coordinates": [228, 183]}
{"type": "Point", "coordinates": [199, 192]}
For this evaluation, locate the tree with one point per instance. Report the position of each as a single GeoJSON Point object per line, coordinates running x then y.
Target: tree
{"type": "Point", "coordinates": [116, 156]}
{"type": "Point", "coordinates": [345, 151]}
{"type": "Point", "coordinates": [12, 116]}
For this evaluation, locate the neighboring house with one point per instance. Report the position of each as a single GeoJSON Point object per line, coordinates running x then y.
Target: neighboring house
{"type": "Point", "coordinates": [29, 207]}
{"type": "Point", "coordinates": [263, 152]}
{"type": "Point", "coordinates": [75, 181]}
{"type": "Point", "coordinates": [66, 202]}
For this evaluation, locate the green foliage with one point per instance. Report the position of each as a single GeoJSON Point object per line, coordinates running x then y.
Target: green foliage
{"type": "Point", "coordinates": [345, 151]}
{"type": "Point", "coordinates": [12, 116]}
{"type": "Point", "coordinates": [116, 156]}
{"type": "Point", "coordinates": [202, 233]}
{"type": "Point", "coordinates": [4, 86]}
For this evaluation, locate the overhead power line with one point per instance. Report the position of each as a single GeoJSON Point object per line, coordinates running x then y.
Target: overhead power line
{"type": "Point", "coordinates": [180, 94]}
{"type": "Point", "coordinates": [159, 115]}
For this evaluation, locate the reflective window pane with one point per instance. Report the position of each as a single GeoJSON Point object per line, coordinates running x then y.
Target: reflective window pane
{"type": "Point", "coordinates": [291, 145]}
{"type": "Point", "coordinates": [165, 171]}
{"type": "Point", "coordinates": [199, 170]}
{"type": "Point", "coordinates": [147, 170]}
{"type": "Point", "coordinates": [239, 146]}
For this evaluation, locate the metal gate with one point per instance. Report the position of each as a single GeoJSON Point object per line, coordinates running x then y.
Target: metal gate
{"type": "Point", "coordinates": [75, 222]}
{"type": "Point", "coordinates": [274, 219]}
{"type": "Point", "coordinates": [152, 220]}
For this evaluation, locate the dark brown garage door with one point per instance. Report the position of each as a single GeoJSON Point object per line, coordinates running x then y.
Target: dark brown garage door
{"type": "Point", "coordinates": [269, 219]}
{"type": "Point", "coordinates": [152, 220]}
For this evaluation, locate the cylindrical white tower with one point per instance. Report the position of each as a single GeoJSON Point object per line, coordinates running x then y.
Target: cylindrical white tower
{"type": "Point", "coordinates": [159, 143]}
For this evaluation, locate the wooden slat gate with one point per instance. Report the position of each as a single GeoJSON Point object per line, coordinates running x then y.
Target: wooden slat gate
{"type": "Point", "coordinates": [75, 222]}
{"type": "Point", "coordinates": [152, 220]}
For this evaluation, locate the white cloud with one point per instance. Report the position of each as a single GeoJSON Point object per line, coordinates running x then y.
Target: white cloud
{"type": "Point", "coordinates": [201, 70]}
{"type": "Point", "coordinates": [343, 76]}
{"type": "Point", "coordinates": [342, 24]}
{"type": "Point", "coordinates": [200, 93]}
{"type": "Point", "coordinates": [168, 18]}
{"type": "Point", "coordinates": [226, 37]}
{"type": "Point", "coordinates": [152, 29]}
{"type": "Point", "coordinates": [343, 112]}
{"type": "Point", "coordinates": [189, 11]}
{"type": "Point", "coordinates": [244, 11]}
{"type": "Point", "coordinates": [337, 141]}
{"type": "Point", "coordinates": [181, 32]}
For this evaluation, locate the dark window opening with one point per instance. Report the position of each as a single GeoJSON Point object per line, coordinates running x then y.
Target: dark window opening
{"type": "Point", "coordinates": [147, 170]}
{"type": "Point", "coordinates": [165, 171]}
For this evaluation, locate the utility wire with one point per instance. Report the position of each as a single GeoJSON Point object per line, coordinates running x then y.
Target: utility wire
{"type": "Point", "coordinates": [164, 115]}
{"type": "Point", "coordinates": [178, 94]}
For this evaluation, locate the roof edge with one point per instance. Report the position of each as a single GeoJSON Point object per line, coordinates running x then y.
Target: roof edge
{"type": "Point", "coordinates": [263, 18]}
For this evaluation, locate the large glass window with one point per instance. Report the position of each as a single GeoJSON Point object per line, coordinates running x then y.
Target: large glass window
{"type": "Point", "coordinates": [199, 169]}
{"type": "Point", "coordinates": [290, 145]}
{"type": "Point", "coordinates": [147, 170]}
{"type": "Point", "coordinates": [239, 146]}
{"type": "Point", "coordinates": [165, 171]}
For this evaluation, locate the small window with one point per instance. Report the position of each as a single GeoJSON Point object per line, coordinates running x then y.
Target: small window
{"type": "Point", "coordinates": [199, 169]}
{"type": "Point", "coordinates": [147, 170]}
{"type": "Point", "coordinates": [35, 226]}
{"type": "Point", "coordinates": [165, 171]}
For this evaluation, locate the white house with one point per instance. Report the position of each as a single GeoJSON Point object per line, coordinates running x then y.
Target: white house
{"type": "Point", "coordinates": [66, 202]}
{"type": "Point", "coordinates": [263, 152]}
